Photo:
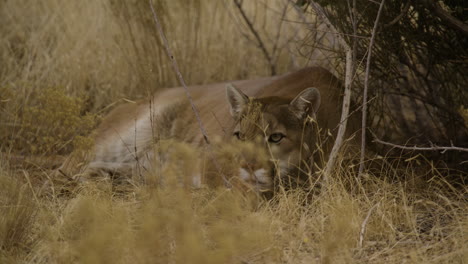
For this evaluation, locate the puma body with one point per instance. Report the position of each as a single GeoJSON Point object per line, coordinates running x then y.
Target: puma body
{"type": "Point", "coordinates": [261, 111]}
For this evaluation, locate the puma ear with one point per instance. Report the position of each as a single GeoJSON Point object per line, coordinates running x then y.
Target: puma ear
{"type": "Point", "coordinates": [237, 100]}
{"type": "Point", "coordinates": [306, 103]}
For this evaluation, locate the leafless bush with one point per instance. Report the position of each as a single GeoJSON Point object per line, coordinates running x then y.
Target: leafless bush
{"type": "Point", "coordinates": [418, 70]}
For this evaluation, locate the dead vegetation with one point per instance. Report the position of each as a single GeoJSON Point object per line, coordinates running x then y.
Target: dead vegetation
{"type": "Point", "coordinates": [64, 63]}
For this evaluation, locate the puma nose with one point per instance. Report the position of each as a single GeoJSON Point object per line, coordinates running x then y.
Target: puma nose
{"type": "Point", "coordinates": [257, 177]}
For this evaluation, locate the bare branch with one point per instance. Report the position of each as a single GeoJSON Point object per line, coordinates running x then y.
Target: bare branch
{"type": "Point", "coordinates": [347, 92]}
{"type": "Point", "coordinates": [314, 28]}
{"type": "Point", "coordinates": [431, 148]}
{"type": "Point", "coordinates": [260, 43]}
{"type": "Point", "coordinates": [321, 13]}
{"type": "Point", "coordinates": [445, 16]}
{"type": "Point", "coordinates": [366, 87]}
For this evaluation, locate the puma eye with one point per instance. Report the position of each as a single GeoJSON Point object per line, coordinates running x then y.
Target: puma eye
{"type": "Point", "coordinates": [237, 135]}
{"type": "Point", "coordinates": [276, 137]}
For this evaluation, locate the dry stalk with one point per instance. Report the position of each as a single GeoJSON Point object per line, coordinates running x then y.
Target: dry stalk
{"type": "Point", "coordinates": [187, 92]}
{"type": "Point", "coordinates": [26, 176]}
{"type": "Point", "coordinates": [175, 66]}
{"type": "Point", "coordinates": [366, 88]}
{"type": "Point", "coordinates": [364, 225]}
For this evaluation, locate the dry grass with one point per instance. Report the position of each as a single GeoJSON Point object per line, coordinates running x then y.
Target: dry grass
{"type": "Point", "coordinates": [68, 60]}
{"type": "Point", "coordinates": [94, 223]}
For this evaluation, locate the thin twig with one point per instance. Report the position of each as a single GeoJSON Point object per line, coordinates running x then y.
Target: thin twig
{"type": "Point", "coordinates": [182, 81]}
{"type": "Point", "coordinates": [366, 88]}
{"type": "Point", "coordinates": [397, 18]}
{"type": "Point", "coordinates": [176, 69]}
{"type": "Point", "coordinates": [364, 225]}
{"type": "Point", "coordinates": [260, 43]}
{"type": "Point", "coordinates": [431, 148]}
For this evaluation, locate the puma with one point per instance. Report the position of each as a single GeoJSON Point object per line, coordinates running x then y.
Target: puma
{"type": "Point", "coordinates": [279, 115]}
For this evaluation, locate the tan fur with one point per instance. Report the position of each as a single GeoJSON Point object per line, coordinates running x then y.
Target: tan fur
{"type": "Point", "coordinates": [126, 139]}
